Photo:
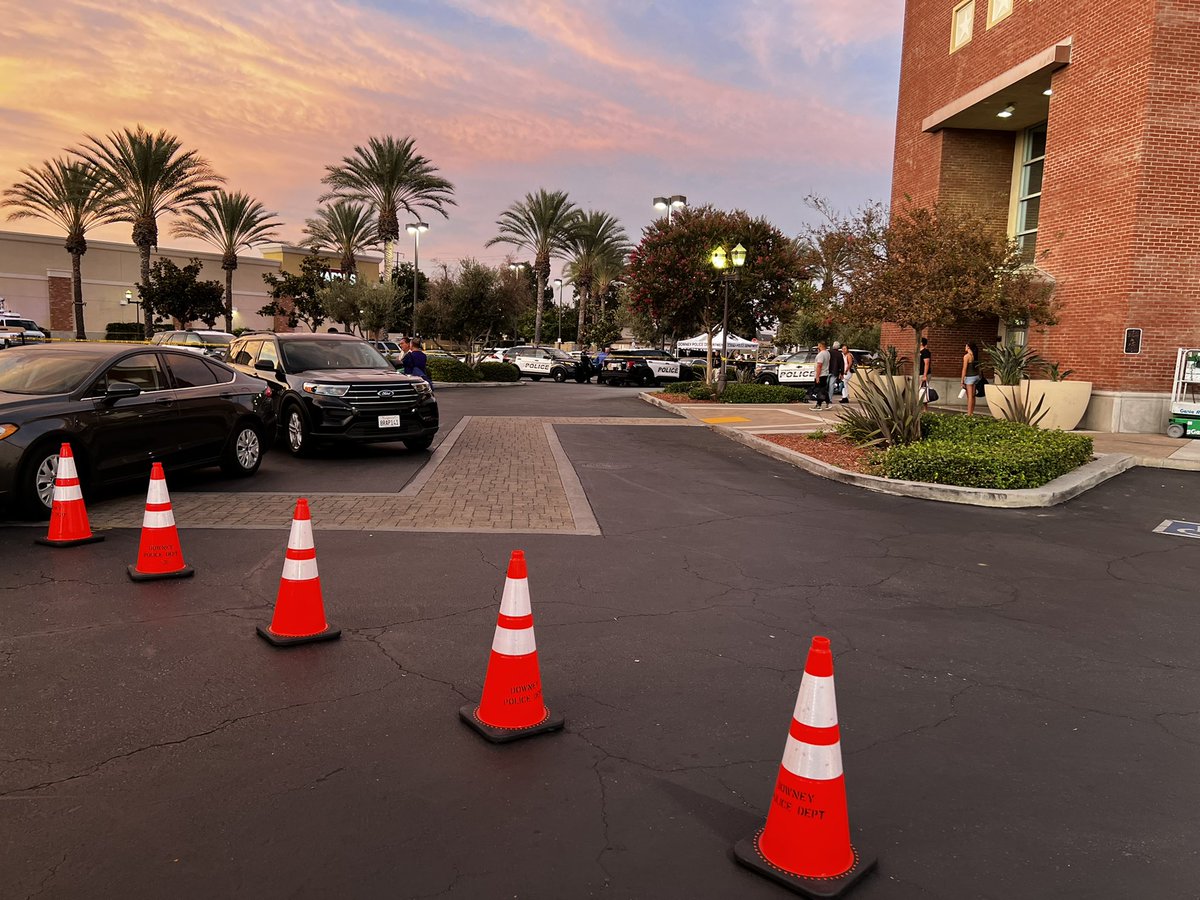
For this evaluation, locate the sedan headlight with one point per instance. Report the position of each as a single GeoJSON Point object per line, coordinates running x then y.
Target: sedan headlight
{"type": "Point", "coordinates": [7, 430]}
{"type": "Point", "coordinates": [326, 390]}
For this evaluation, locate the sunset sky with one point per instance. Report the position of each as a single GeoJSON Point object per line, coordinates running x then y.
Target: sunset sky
{"type": "Point", "coordinates": [752, 104]}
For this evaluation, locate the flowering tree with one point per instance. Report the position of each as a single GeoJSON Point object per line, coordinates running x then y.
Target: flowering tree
{"type": "Point", "coordinates": [674, 288]}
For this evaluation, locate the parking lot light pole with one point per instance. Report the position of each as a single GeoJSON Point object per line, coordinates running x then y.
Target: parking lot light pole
{"type": "Point", "coordinates": [416, 229]}
{"type": "Point", "coordinates": [515, 268]}
{"type": "Point", "coordinates": [720, 261]}
{"type": "Point", "coordinates": [670, 204]}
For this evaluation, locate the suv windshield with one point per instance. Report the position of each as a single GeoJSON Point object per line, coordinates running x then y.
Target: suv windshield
{"type": "Point", "coordinates": [305, 356]}
{"type": "Point", "coordinates": [216, 338]}
{"type": "Point", "coordinates": [558, 354]}
{"type": "Point", "coordinates": [44, 373]}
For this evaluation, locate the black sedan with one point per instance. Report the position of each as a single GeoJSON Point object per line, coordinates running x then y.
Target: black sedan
{"type": "Point", "coordinates": [121, 408]}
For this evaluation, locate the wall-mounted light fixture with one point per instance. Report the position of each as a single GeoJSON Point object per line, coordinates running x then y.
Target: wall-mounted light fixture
{"type": "Point", "coordinates": [1007, 112]}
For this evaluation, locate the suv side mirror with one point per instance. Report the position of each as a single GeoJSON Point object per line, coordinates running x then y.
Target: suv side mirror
{"type": "Point", "coordinates": [120, 390]}
{"type": "Point", "coordinates": [264, 366]}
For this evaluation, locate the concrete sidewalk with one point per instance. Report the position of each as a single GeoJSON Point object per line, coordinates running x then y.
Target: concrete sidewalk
{"type": "Point", "coordinates": [1154, 450]}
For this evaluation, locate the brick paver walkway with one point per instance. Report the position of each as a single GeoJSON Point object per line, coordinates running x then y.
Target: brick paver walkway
{"type": "Point", "coordinates": [489, 474]}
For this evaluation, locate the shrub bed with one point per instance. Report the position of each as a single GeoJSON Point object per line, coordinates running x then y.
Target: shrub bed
{"type": "Point", "coordinates": [441, 368]}
{"type": "Point", "coordinates": [701, 391]}
{"type": "Point", "coordinates": [677, 387]}
{"type": "Point", "coordinates": [762, 393]}
{"type": "Point", "coordinates": [985, 453]}
{"type": "Point", "coordinates": [498, 371]}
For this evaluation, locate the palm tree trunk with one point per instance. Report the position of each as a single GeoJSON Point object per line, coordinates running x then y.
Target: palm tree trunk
{"type": "Point", "coordinates": [581, 299]}
{"type": "Point", "coordinates": [389, 259]}
{"type": "Point", "coordinates": [229, 300]}
{"type": "Point", "coordinates": [147, 313]}
{"type": "Point", "coordinates": [541, 304]}
{"type": "Point", "coordinates": [77, 295]}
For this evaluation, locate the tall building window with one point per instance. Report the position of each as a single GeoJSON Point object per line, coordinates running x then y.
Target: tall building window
{"type": "Point", "coordinates": [997, 10]}
{"type": "Point", "coordinates": [962, 24]}
{"type": "Point", "coordinates": [1029, 194]}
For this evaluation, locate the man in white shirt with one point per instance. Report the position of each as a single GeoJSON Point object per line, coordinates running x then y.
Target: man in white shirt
{"type": "Point", "coordinates": [821, 391]}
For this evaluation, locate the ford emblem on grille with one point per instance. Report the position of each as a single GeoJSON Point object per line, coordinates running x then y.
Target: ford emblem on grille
{"type": "Point", "coordinates": [386, 393]}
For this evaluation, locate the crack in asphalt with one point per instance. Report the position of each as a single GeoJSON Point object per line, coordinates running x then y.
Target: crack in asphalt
{"type": "Point", "coordinates": [42, 885]}
{"type": "Point", "coordinates": [118, 623]}
{"type": "Point", "coordinates": [404, 670]}
{"type": "Point", "coordinates": [158, 745]}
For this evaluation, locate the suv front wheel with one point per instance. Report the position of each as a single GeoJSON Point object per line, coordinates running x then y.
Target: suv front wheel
{"type": "Point", "coordinates": [295, 430]}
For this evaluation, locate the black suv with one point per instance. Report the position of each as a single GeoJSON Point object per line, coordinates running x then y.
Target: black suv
{"type": "Point", "coordinates": [643, 367]}
{"type": "Point", "coordinates": [337, 387]}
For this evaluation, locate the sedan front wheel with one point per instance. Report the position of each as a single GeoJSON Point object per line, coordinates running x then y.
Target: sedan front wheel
{"type": "Point", "coordinates": [35, 484]}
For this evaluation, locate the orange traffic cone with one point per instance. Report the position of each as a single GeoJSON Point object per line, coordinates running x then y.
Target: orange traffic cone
{"type": "Point", "coordinates": [805, 844]}
{"type": "Point", "coordinates": [512, 705]}
{"type": "Point", "coordinates": [299, 612]}
{"type": "Point", "coordinates": [159, 553]}
{"type": "Point", "coordinates": [68, 516]}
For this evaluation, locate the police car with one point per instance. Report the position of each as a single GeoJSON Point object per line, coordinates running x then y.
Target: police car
{"type": "Point", "coordinates": [795, 369]}
{"type": "Point", "coordinates": [643, 367]}
{"type": "Point", "coordinates": [538, 362]}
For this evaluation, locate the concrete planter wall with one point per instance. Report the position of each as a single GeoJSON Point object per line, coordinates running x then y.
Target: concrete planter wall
{"type": "Point", "coordinates": [871, 375]}
{"type": "Point", "coordinates": [1064, 402]}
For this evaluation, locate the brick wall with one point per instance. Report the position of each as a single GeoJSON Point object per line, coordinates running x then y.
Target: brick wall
{"type": "Point", "coordinates": [62, 304]}
{"type": "Point", "coordinates": [945, 344]}
{"type": "Point", "coordinates": [1120, 214]}
{"type": "Point", "coordinates": [975, 175]}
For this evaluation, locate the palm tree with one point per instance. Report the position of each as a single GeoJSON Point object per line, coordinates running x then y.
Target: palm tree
{"type": "Point", "coordinates": [543, 224]}
{"type": "Point", "coordinates": [73, 195]}
{"type": "Point", "coordinates": [389, 175]}
{"type": "Point", "coordinates": [150, 174]}
{"type": "Point", "coordinates": [598, 252]}
{"type": "Point", "coordinates": [230, 222]}
{"type": "Point", "coordinates": [348, 228]}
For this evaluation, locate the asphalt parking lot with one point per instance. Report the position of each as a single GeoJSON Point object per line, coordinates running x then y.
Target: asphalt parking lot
{"type": "Point", "coordinates": [1017, 689]}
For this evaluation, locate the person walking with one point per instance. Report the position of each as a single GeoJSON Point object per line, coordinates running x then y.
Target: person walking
{"type": "Point", "coordinates": [837, 369]}
{"type": "Point", "coordinates": [415, 361]}
{"type": "Point", "coordinates": [821, 390]}
{"type": "Point", "coordinates": [970, 374]}
{"type": "Point", "coordinates": [851, 366]}
{"type": "Point", "coordinates": [925, 369]}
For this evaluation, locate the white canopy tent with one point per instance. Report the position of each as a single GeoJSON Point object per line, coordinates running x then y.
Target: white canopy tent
{"type": "Point", "coordinates": [700, 342]}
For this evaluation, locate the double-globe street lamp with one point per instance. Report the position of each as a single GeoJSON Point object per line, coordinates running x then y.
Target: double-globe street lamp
{"type": "Point", "coordinates": [558, 283]}
{"type": "Point", "coordinates": [670, 204]}
{"type": "Point", "coordinates": [720, 262]}
{"type": "Point", "coordinates": [416, 229]}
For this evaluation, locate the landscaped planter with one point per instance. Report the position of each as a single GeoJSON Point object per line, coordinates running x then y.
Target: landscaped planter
{"type": "Point", "coordinates": [875, 375]}
{"type": "Point", "coordinates": [1063, 402]}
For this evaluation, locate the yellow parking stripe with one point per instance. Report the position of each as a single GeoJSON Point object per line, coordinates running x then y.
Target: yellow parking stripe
{"type": "Point", "coordinates": [724, 420]}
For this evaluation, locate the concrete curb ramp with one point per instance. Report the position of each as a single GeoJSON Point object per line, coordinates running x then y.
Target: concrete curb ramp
{"type": "Point", "coordinates": [1057, 491]}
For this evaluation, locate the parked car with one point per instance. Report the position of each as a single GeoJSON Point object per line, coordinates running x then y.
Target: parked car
{"type": "Point", "coordinates": [336, 387]}
{"type": "Point", "coordinates": [537, 362]}
{"type": "Point", "coordinates": [122, 408]}
{"type": "Point", "coordinates": [208, 342]}
{"type": "Point", "coordinates": [798, 369]}
{"type": "Point", "coordinates": [644, 367]}
{"type": "Point", "coordinates": [15, 331]}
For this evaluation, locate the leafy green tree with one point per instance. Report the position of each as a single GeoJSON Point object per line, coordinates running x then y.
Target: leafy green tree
{"type": "Point", "coordinates": [73, 195]}
{"type": "Point", "coordinates": [369, 306]}
{"type": "Point", "coordinates": [298, 296]}
{"type": "Point", "coordinates": [230, 222]}
{"type": "Point", "coordinates": [598, 250]}
{"type": "Point", "coordinates": [402, 278]}
{"type": "Point", "coordinates": [544, 225]}
{"type": "Point", "coordinates": [151, 174]}
{"type": "Point", "coordinates": [180, 294]}
{"type": "Point", "coordinates": [938, 266]}
{"type": "Point", "coordinates": [389, 175]}
{"type": "Point", "coordinates": [674, 288]}
{"type": "Point", "coordinates": [345, 227]}
{"type": "Point", "coordinates": [475, 303]}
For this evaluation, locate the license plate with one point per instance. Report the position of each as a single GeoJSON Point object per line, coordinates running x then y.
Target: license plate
{"type": "Point", "coordinates": [389, 421]}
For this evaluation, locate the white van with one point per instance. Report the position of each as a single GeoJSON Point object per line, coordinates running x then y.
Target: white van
{"type": "Point", "coordinates": [16, 330]}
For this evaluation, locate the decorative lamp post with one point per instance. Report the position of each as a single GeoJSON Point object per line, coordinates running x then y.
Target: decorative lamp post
{"type": "Point", "coordinates": [416, 229]}
{"type": "Point", "coordinates": [670, 204]}
{"type": "Point", "coordinates": [558, 283]}
{"type": "Point", "coordinates": [720, 261]}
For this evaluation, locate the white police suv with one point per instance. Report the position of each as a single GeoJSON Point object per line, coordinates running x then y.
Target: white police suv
{"type": "Point", "coordinates": [537, 363]}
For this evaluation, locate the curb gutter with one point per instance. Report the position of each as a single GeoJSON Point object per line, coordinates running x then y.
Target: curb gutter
{"type": "Point", "coordinates": [439, 385]}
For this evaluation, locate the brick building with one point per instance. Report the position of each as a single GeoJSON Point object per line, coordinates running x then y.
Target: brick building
{"type": "Point", "coordinates": [1074, 127]}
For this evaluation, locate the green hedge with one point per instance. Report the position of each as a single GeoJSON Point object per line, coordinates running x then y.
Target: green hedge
{"type": "Point", "coordinates": [985, 453]}
{"type": "Point", "coordinates": [442, 368]}
{"type": "Point", "coordinates": [762, 393]}
{"type": "Point", "coordinates": [700, 391]}
{"type": "Point", "coordinates": [677, 387]}
{"type": "Point", "coordinates": [498, 371]}
{"type": "Point", "coordinates": [124, 331]}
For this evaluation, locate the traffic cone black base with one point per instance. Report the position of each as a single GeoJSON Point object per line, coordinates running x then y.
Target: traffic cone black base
{"type": "Point", "coordinates": [47, 542]}
{"type": "Point", "coordinates": [279, 640]}
{"type": "Point", "coordinates": [504, 735]}
{"type": "Point", "coordinates": [135, 575]}
{"type": "Point", "coordinates": [748, 855]}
